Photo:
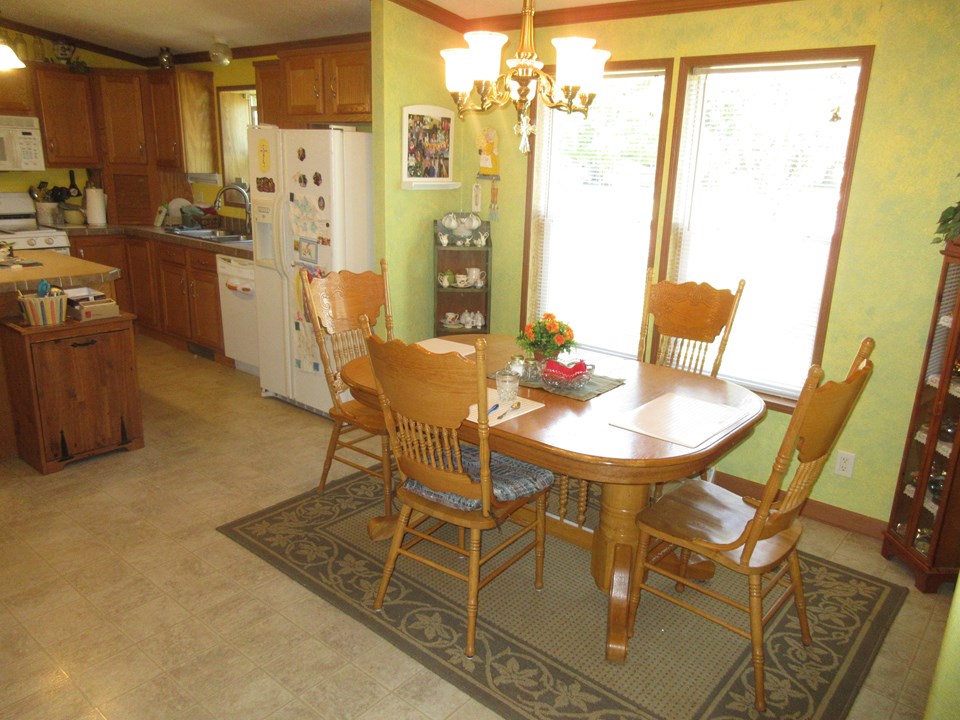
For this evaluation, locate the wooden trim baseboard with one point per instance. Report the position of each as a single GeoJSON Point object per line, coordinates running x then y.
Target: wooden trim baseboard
{"type": "Point", "coordinates": [814, 509]}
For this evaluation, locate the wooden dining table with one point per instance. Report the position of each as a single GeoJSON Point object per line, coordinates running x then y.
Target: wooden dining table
{"type": "Point", "coordinates": [575, 438]}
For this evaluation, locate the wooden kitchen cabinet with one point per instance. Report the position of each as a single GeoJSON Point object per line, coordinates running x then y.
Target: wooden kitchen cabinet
{"type": "Point", "coordinates": [107, 250]}
{"type": "Point", "coordinates": [348, 83]}
{"type": "Point", "coordinates": [327, 84]}
{"type": "Point", "coordinates": [184, 121]}
{"type": "Point", "coordinates": [270, 98]}
{"type": "Point", "coordinates": [65, 104]}
{"type": "Point", "coordinates": [190, 295]}
{"type": "Point", "coordinates": [924, 527]}
{"type": "Point", "coordinates": [143, 271]}
{"type": "Point", "coordinates": [119, 97]}
{"type": "Point", "coordinates": [75, 389]}
{"type": "Point", "coordinates": [16, 92]}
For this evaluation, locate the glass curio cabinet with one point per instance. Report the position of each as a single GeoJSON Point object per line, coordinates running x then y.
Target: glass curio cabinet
{"type": "Point", "coordinates": [924, 528]}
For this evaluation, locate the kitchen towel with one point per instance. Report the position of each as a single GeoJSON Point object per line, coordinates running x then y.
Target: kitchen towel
{"type": "Point", "coordinates": [96, 206]}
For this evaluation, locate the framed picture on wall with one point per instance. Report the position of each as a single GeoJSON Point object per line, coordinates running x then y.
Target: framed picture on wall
{"type": "Point", "coordinates": [427, 148]}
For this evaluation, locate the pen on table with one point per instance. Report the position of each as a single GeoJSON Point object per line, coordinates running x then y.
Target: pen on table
{"type": "Point", "coordinates": [495, 406]}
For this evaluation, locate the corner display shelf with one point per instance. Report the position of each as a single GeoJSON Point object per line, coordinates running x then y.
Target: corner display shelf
{"type": "Point", "coordinates": [924, 528]}
{"type": "Point", "coordinates": [461, 241]}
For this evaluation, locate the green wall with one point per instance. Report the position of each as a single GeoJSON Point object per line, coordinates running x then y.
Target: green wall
{"type": "Point", "coordinates": [905, 174]}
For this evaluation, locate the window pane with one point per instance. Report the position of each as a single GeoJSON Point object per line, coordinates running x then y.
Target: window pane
{"type": "Point", "coordinates": [592, 211]}
{"type": "Point", "coordinates": [762, 156]}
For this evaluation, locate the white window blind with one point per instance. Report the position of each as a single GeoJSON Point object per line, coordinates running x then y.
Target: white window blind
{"type": "Point", "coordinates": [592, 211]}
{"type": "Point", "coordinates": [761, 161]}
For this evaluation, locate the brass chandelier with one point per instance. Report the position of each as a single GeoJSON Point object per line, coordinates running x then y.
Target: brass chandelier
{"type": "Point", "coordinates": [579, 73]}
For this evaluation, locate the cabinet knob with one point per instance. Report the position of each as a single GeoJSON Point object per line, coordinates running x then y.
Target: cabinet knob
{"type": "Point", "coordinates": [333, 86]}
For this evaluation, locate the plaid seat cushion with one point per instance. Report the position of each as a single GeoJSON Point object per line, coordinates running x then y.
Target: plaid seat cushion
{"type": "Point", "coordinates": [512, 479]}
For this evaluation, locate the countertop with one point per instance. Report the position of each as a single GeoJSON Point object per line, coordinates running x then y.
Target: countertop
{"type": "Point", "coordinates": [58, 269]}
{"type": "Point", "coordinates": [242, 250]}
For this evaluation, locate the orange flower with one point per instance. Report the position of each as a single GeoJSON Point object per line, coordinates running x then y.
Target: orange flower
{"type": "Point", "coordinates": [568, 333]}
{"type": "Point", "coordinates": [553, 326]}
{"type": "Point", "coordinates": [549, 317]}
{"type": "Point", "coordinates": [558, 339]}
{"type": "Point", "coordinates": [528, 330]}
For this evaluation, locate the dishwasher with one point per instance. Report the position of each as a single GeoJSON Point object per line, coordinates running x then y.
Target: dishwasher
{"type": "Point", "coordinates": [238, 308]}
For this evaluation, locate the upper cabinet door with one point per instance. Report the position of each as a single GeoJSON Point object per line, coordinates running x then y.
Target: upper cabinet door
{"type": "Point", "coordinates": [66, 112]}
{"type": "Point", "coordinates": [16, 92]}
{"type": "Point", "coordinates": [347, 77]}
{"type": "Point", "coordinates": [198, 123]}
{"type": "Point", "coordinates": [120, 96]}
{"type": "Point", "coordinates": [166, 119]}
{"type": "Point", "coordinates": [303, 82]}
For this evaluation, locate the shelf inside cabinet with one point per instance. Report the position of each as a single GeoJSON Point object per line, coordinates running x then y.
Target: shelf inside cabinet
{"type": "Point", "coordinates": [943, 448]}
{"type": "Point", "coordinates": [954, 389]}
{"type": "Point", "coordinates": [928, 504]}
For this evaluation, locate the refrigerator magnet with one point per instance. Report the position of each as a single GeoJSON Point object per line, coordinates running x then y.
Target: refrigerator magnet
{"type": "Point", "coordinates": [317, 179]}
{"type": "Point", "coordinates": [308, 251]}
{"type": "Point", "coordinates": [321, 203]}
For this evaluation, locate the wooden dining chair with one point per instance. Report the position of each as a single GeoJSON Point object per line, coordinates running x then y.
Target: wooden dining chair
{"type": "Point", "coordinates": [425, 399]}
{"type": "Point", "coordinates": [687, 320]}
{"type": "Point", "coordinates": [334, 304]}
{"type": "Point", "coordinates": [756, 538]}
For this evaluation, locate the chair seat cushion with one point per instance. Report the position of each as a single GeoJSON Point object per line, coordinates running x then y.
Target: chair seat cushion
{"type": "Point", "coordinates": [512, 479]}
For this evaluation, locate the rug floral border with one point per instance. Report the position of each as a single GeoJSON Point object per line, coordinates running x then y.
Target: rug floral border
{"type": "Point", "coordinates": [518, 682]}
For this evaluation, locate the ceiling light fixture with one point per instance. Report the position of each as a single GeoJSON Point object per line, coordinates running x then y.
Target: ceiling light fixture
{"type": "Point", "coordinates": [220, 52]}
{"type": "Point", "coordinates": [165, 58]}
{"type": "Point", "coordinates": [579, 73]}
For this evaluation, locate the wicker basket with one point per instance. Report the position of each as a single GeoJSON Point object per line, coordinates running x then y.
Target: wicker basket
{"type": "Point", "coordinates": [47, 310]}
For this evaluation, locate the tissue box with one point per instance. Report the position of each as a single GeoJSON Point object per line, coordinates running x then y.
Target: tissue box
{"type": "Point", "coordinates": [47, 310]}
{"type": "Point", "coordinates": [93, 309]}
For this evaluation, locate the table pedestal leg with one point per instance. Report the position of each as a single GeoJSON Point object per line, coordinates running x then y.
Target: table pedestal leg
{"type": "Point", "coordinates": [619, 505]}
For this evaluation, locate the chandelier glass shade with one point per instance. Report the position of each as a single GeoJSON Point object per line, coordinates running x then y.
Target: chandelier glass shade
{"type": "Point", "coordinates": [476, 69]}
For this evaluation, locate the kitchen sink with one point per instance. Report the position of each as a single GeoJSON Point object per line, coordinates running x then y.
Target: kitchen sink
{"type": "Point", "coordinates": [218, 236]}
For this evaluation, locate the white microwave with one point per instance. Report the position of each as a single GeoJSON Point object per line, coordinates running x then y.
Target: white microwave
{"type": "Point", "coordinates": [20, 145]}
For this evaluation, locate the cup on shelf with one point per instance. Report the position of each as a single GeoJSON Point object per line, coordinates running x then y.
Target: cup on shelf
{"type": "Point", "coordinates": [450, 318]}
{"type": "Point", "coordinates": [476, 277]}
{"type": "Point", "coordinates": [508, 383]}
{"type": "Point", "coordinates": [461, 280]}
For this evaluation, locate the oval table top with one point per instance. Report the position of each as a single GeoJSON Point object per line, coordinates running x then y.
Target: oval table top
{"type": "Point", "coordinates": [575, 437]}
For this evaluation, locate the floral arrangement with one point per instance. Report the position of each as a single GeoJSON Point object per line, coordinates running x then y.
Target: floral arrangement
{"type": "Point", "coordinates": [547, 337]}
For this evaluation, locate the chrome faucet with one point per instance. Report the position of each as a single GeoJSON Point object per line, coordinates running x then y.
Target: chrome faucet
{"type": "Point", "coordinates": [248, 229]}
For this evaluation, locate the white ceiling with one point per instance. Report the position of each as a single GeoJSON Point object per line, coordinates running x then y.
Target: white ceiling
{"type": "Point", "coordinates": [141, 27]}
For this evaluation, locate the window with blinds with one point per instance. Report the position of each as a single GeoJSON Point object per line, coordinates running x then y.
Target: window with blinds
{"type": "Point", "coordinates": [592, 211]}
{"type": "Point", "coordinates": [758, 193]}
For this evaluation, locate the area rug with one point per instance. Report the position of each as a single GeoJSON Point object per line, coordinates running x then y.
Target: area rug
{"type": "Point", "coordinates": [540, 654]}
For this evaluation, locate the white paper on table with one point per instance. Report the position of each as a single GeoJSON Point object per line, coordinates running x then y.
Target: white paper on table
{"type": "Point", "coordinates": [440, 346]}
{"type": "Point", "coordinates": [678, 419]}
{"type": "Point", "coordinates": [526, 405]}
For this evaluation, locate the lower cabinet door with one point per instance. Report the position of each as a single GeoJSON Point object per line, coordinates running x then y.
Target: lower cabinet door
{"type": "Point", "coordinates": [174, 301]}
{"type": "Point", "coordinates": [87, 394]}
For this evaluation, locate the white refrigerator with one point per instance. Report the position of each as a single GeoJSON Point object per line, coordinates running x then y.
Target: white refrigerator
{"type": "Point", "coordinates": [311, 200]}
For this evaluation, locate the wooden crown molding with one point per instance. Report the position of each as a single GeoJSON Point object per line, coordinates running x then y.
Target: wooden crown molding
{"type": "Point", "coordinates": [185, 58]}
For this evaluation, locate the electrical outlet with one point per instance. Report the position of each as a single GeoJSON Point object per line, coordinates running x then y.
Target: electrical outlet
{"type": "Point", "coordinates": [844, 465]}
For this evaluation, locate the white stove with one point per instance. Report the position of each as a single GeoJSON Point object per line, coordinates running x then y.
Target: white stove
{"type": "Point", "coordinates": [18, 226]}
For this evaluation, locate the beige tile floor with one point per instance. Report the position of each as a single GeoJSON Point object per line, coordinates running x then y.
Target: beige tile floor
{"type": "Point", "coordinates": [119, 600]}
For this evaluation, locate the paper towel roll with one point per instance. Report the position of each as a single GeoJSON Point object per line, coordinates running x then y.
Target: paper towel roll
{"type": "Point", "coordinates": [96, 206]}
